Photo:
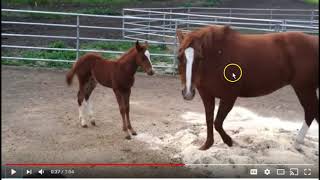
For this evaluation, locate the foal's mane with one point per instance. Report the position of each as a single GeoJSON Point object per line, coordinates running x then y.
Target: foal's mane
{"type": "Point", "coordinates": [125, 56]}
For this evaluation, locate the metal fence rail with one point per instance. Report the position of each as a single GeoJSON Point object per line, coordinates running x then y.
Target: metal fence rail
{"type": "Point", "coordinates": [240, 18]}
{"type": "Point", "coordinates": [158, 26]}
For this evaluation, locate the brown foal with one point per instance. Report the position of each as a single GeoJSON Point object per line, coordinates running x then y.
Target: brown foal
{"type": "Point", "coordinates": [118, 75]}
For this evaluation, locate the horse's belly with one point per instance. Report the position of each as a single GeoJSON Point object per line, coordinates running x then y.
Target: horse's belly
{"type": "Point", "coordinates": [263, 84]}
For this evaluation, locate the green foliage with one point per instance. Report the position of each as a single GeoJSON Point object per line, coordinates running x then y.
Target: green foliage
{"type": "Point", "coordinates": [315, 2]}
{"type": "Point", "coordinates": [97, 10]}
{"type": "Point", "coordinates": [212, 2]}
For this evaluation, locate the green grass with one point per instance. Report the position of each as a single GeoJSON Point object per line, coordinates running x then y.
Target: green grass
{"type": "Point", "coordinates": [53, 2]}
{"type": "Point", "coordinates": [315, 2]}
{"type": "Point", "coordinates": [107, 11]}
{"type": "Point", "coordinates": [70, 55]}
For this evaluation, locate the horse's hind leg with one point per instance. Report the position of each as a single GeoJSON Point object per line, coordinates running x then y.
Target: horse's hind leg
{"type": "Point", "coordinates": [225, 107]}
{"type": "Point", "coordinates": [89, 87]}
{"type": "Point", "coordinates": [309, 101]}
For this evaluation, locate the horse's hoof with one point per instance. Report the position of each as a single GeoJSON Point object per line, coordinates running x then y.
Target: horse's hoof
{"type": "Point", "coordinates": [205, 146]}
{"type": "Point", "coordinates": [84, 126]}
{"type": "Point", "coordinates": [128, 137]}
{"type": "Point", "coordinates": [228, 141]}
{"type": "Point", "coordinates": [93, 123]}
{"type": "Point", "coordinates": [134, 133]}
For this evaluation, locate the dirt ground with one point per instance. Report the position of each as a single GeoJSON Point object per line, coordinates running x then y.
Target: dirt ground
{"type": "Point", "coordinates": [40, 125]}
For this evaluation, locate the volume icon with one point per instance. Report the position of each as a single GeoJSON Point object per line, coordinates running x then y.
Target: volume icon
{"type": "Point", "coordinates": [41, 171]}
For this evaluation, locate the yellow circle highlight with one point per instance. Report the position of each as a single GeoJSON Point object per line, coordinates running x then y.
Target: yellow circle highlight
{"type": "Point", "coordinates": [224, 72]}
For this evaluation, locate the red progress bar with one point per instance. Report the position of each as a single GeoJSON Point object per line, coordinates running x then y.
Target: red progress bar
{"type": "Point", "coordinates": [100, 164]}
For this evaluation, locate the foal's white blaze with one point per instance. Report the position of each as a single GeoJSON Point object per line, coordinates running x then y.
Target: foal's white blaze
{"type": "Point", "coordinates": [147, 54]}
{"type": "Point", "coordinates": [189, 53]}
{"type": "Point", "coordinates": [302, 133]}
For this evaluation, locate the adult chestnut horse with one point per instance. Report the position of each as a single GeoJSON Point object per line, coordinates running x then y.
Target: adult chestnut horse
{"type": "Point", "coordinates": [268, 62]}
{"type": "Point", "coordinates": [118, 75]}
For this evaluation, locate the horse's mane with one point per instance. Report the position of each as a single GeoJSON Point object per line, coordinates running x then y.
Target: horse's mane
{"type": "Point", "coordinates": [207, 33]}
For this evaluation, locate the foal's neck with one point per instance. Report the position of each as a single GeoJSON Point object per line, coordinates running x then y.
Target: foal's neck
{"type": "Point", "coordinates": [128, 63]}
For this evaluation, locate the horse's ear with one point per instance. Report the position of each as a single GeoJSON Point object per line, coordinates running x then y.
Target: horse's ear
{"type": "Point", "coordinates": [138, 47]}
{"type": "Point", "coordinates": [227, 29]}
{"type": "Point", "coordinates": [180, 35]}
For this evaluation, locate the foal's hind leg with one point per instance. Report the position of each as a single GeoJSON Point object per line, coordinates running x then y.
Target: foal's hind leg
{"type": "Point", "coordinates": [309, 101]}
{"type": "Point", "coordinates": [82, 105]}
{"type": "Point", "coordinates": [225, 107]}
{"type": "Point", "coordinates": [89, 87]}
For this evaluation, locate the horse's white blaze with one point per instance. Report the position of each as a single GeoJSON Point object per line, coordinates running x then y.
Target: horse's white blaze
{"type": "Point", "coordinates": [147, 54]}
{"type": "Point", "coordinates": [302, 133]}
{"type": "Point", "coordinates": [189, 53]}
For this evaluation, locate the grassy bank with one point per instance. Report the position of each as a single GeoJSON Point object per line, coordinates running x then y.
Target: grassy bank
{"type": "Point", "coordinates": [70, 55]}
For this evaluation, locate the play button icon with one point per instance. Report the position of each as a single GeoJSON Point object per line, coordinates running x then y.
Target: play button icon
{"type": "Point", "coordinates": [13, 172]}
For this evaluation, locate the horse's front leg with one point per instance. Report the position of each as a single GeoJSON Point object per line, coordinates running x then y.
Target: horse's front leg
{"type": "Point", "coordinates": [208, 102]}
{"type": "Point", "coordinates": [127, 110]}
{"type": "Point", "coordinates": [121, 101]}
{"type": "Point", "coordinates": [225, 107]}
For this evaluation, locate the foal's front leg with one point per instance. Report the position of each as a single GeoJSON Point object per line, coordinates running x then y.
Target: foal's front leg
{"type": "Point", "coordinates": [127, 108]}
{"type": "Point", "coordinates": [121, 102]}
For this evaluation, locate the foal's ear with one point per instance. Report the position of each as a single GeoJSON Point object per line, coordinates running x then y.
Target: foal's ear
{"type": "Point", "coordinates": [138, 47]}
{"type": "Point", "coordinates": [180, 35]}
{"type": "Point", "coordinates": [146, 44]}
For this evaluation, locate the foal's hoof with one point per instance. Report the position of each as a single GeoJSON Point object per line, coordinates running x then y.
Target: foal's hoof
{"type": "Point", "coordinates": [93, 123]}
{"type": "Point", "coordinates": [128, 137]}
{"type": "Point", "coordinates": [134, 133]}
{"type": "Point", "coordinates": [84, 126]}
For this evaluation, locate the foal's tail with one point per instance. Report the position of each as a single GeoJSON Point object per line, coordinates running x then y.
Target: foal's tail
{"type": "Point", "coordinates": [84, 64]}
{"type": "Point", "coordinates": [70, 74]}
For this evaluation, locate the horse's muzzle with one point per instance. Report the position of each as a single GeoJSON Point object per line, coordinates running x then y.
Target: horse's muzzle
{"type": "Point", "coordinates": [188, 95]}
{"type": "Point", "coordinates": [150, 72]}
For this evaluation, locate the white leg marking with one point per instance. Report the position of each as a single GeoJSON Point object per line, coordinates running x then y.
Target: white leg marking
{"type": "Point", "coordinates": [147, 54]}
{"type": "Point", "coordinates": [90, 111]}
{"type": "Point", "coordinates": [302, 133]}
{"type": "Point", "coordinates": [189, 53]}
{"type": "Point", "coordinates": [82, 113]}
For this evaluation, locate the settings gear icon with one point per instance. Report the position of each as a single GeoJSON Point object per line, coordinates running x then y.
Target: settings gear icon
{"type": "Point", "coordinates": [267, 172]}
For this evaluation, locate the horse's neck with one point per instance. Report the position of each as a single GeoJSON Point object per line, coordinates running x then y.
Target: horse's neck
{"type": "Point", "coordinates": [128, 63]}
